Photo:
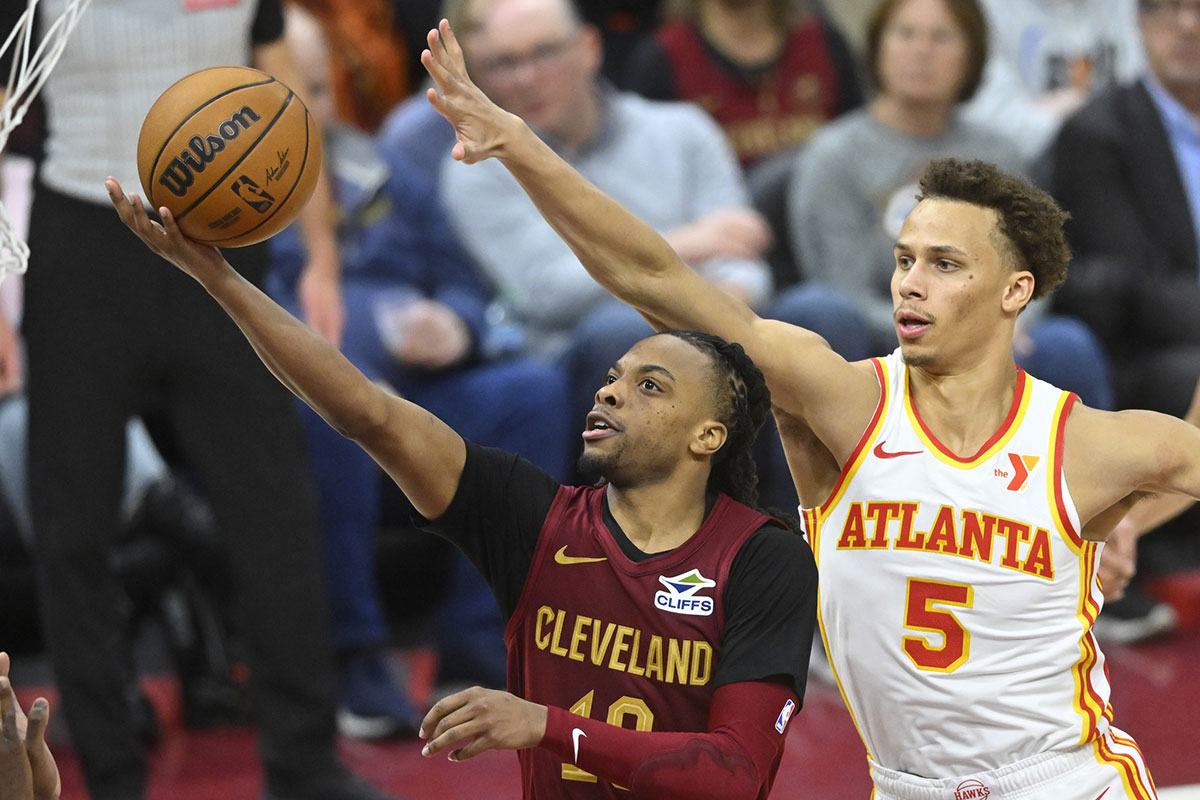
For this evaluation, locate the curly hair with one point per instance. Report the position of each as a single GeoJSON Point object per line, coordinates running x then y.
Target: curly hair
{"type": "Point", "coordinates": [1031, 222]}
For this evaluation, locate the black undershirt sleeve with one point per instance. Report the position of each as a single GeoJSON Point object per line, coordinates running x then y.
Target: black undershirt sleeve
{"type": "Point", "coordinates": [770, 610]}
{"type": "Point", "coordinates": [268, 22]}
{"type": "Point", "coordinates": [495, 518]}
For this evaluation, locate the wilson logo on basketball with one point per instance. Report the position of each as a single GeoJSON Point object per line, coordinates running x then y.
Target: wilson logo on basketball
{"type": "Point", "coordinates": [180, 173]}
{"type": "Point", "coordinates": [971, 789]}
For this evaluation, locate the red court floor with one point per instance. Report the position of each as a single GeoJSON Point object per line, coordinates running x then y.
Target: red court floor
{"type": "Point", "coordinates": [1156, 697]}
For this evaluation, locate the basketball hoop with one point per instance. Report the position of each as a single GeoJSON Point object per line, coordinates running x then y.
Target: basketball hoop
{"type": "Point", "coordinates": [30, 67]}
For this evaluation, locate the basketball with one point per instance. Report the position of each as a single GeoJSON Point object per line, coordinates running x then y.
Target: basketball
{"type": "Point", "coordinates": [232, 152]}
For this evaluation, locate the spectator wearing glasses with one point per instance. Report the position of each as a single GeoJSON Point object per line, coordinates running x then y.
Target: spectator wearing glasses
{"type": "Point", "coordinates": [540, 60]}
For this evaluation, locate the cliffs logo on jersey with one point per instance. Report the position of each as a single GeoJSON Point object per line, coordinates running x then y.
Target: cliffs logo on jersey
{"type": "Point", "coordinates": [681, 596]}
{"type": "Point", "coordinates": [971, 789]}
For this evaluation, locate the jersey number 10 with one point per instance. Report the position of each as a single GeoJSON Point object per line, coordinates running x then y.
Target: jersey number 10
{"type": "Point", "coordinates": [621, 708]}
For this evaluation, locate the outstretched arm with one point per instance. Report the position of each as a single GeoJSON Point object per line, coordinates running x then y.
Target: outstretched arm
{"type": "Point", "coordinates": [730, 760]}
{"type": "Point", "coordinates": [1118, 562]}
{"type": "Point", "coordinates": [627, 257]}
{"type": "Point", "coordinates": [1114, 458]}
{"type": "Point", "coordinates": [420, 452]}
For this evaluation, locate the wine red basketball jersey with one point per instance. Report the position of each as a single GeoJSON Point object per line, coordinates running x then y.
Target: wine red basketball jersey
{"type": "Point", "coordinates": [635, 643]}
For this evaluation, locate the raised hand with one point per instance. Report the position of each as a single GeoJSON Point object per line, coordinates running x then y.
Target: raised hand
{"type": "Point", "coordinates": [476, 720]}
{"type": "Point", "coordinates": [482, 127]}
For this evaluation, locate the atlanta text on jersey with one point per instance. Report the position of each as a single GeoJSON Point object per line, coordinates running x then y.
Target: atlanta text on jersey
{"type": "Point", "coordinates": [1026, 549]}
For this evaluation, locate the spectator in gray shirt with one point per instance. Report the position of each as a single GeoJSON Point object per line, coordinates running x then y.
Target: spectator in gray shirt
{"type": "Point", "coordinates": [857, 179]}
{"type": "Point", "coordinates": [668, 162]}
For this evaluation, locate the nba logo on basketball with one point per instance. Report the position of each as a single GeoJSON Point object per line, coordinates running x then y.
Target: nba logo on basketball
{"type": "Point", "coordinates": [971, 789]}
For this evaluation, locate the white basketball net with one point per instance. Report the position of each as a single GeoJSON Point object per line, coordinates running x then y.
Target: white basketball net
{"type": "Point", "coordinates": [30, 67]}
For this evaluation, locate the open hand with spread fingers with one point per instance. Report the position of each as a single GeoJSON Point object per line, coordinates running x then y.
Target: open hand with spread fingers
{"type": "Point", "coordinates": [482, 127]}
{"type": "Point", "coordinates": [165, 238]}
{"type": "Point", "coordinates": [476, 720]}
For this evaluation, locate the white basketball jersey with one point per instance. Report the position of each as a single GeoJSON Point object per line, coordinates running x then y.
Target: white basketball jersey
{"type": "Point", "coordinates": [957, 596]}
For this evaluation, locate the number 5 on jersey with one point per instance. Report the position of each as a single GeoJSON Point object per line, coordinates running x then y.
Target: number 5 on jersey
{"type": "Point", "coordinates": [920, 614]}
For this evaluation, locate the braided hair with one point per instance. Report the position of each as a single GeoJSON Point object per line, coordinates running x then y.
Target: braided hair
{"type": "Point", "coordinates": [743, 409]}
{"type": "Point", "coordinates": [743, 402]}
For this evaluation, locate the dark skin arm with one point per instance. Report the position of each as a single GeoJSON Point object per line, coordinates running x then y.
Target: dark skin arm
{"type": "Point", "coordinates": [422, 454]}
{"type": "Point", "coordinates": [627, 257]}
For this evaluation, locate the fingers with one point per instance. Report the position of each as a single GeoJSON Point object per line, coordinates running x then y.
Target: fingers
{"type": "Point", "coordinates": [5, 663]}
{"type": "Point", "coordinates": [433, 60]}
{"type": "Point", "coordinates": [473, 747]}
{"type": "Point", "coordinates": [10, 732]}
{"type": "Point", "coordinates": [441, 709]}
{"type": "Point", "coordinates": [47, 784]}
{"type": "Point", "coordinates": [35, 733]}
{"type": "Point", "coordinates": [464, 740]}
{"type": "Point", "coordinates": [454, 720]}
{"type": "Point", "coordinates": [450, 41]}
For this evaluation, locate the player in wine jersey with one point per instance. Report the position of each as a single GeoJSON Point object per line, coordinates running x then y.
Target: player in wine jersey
{"type": "Point", "coordinates": [658, 625]}
{"type": "Point", "coordinates": [956, 503]}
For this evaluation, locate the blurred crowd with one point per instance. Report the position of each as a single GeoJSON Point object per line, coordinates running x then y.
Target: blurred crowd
{"type": "Point", "coordinates": [776, 145]}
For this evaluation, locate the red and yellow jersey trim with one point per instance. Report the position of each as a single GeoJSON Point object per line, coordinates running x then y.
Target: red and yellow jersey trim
{"type": "Point", "coordinates": [998, 440]}
{"type": "Point", "coordinates": [859, 454]}
{"type": "Point", "coordinates": [814, 517]}
{"type": "Point", "coordinates": [1058, 503]}
{"type": "Point", "coordinates": [1088, 702]}
{"type": "Point", "coordinates": [838, 679]}
{"type": "Point", "coordinates": [1137, 781]}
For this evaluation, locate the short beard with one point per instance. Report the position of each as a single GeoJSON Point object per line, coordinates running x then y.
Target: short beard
{"type": "Point", "coordinates": [916, 360]}
{"type": "Point", "coordinates": [593, 468]}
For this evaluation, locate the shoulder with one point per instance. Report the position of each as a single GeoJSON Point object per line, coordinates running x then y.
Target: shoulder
{"type": "Point", "coordinates": [1108, 454]}
{"type": "Point", "coordinates": [774, 550]}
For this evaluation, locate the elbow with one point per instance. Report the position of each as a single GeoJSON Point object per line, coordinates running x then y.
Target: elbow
{"type": "Point", "coordinates": [365, 418]}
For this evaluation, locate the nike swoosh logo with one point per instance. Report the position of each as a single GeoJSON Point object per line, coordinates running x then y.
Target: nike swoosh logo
{"type": "Point", "coordinates": [576, 734]}
{"type": "Point", "coordinates": [881, 453]}
{"type": "Point", "coordinates": [561, 557]}
{"type": "Point", "coordinates": [1102, 794]}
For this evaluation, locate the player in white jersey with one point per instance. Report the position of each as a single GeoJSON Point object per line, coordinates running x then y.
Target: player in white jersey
{"type": "Point", "coordinates": [971, 673]}
{"type": "Point", "coordinates": [983, 591]}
